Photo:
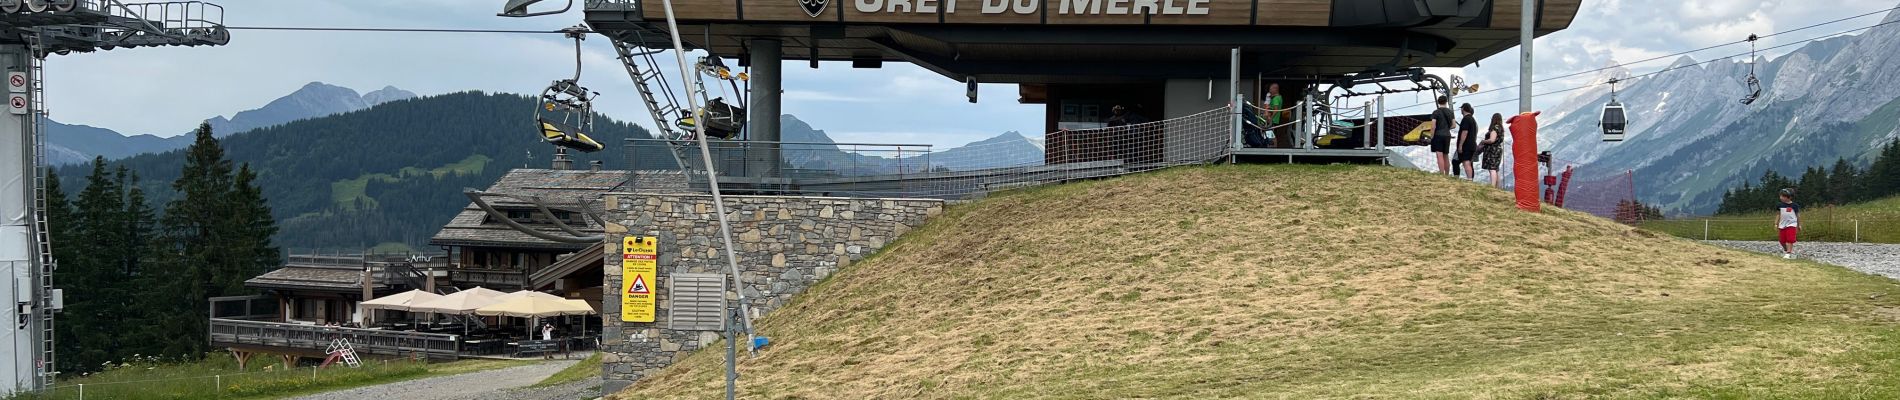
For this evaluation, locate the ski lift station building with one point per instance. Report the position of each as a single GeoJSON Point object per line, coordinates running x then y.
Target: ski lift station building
{"type": "Point", "coordinates": [1165, 58]}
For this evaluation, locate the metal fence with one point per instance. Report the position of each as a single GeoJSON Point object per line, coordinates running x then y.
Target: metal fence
{"type": "Point", "coordinates": [1821, 229]}
{"type": "Point", "coordinates": [922, 171]}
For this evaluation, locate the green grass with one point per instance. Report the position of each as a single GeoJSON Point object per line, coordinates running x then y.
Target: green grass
{"type": "Point", "coordinates": [1309, 282]}
{"type": "Point", "coordinates": [588, 368]}
{"type": "Point", "coordinates": [1877, 221]}
{"type": "Point", "coordinates": [392, 248]}
{"type": "Point", "coordinates": [344, 191]}
{"type": "Point", "coordinates": [217, 376]}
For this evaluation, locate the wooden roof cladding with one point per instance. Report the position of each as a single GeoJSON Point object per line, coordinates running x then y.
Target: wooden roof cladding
{"type": "Point", "coordinates": [1293, 13]}
{"type": "Point", "coordinates": [1052, 41]}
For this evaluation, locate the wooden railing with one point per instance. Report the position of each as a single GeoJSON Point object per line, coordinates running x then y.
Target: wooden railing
{"type": "Point", "coordinates": [239, 333]}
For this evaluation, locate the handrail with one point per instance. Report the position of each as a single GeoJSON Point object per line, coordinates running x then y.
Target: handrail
{"type": "Point", "coordinates": [784, 143]}
{"type": "Point", "coordinates": [231, 332]}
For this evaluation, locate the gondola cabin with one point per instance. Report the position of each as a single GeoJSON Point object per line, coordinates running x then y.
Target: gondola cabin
{"type": "Point", "coordinates": [1613, 122]}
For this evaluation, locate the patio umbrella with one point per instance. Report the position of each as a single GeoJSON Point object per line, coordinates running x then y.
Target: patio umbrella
{"type": "Point", "coordinates": [460, 303]}
{"type": "Point", "coordinates": [528, 293]}
{"type": "Point", "coordinates": [532, 307]}
{"type": "Point", "coordinates": [400, 301]}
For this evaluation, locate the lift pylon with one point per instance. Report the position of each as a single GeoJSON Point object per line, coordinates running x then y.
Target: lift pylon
{"type": "Point", "coordinates": [31, 30]}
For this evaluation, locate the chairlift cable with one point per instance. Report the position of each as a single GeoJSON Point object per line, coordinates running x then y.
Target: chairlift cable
{"type": "Point", "coordinates": [1682, 53]}
{"type": "Point", "coordinates": [1671, 69]}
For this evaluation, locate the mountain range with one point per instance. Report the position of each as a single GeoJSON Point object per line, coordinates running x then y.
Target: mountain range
{"type": "Point", "coordinates": [1690, 137]}
{"type": "Point", "coordinates": [76, 144]}
{"type": "Point", "coordinates": [347, 171]}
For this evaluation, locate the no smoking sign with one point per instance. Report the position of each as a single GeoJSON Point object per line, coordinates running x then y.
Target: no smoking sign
{"type": "Point", "coordinates": [17, 103]}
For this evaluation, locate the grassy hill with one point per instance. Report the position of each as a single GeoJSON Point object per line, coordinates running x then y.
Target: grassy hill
{"type": "Point", "coordinates": [1877, 221]}
{"type": "Point", "coordinates": [1310, 282]}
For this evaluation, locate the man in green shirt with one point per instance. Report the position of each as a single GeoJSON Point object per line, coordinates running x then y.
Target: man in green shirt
{"type": "Point", "coordinates": [1274, 104]}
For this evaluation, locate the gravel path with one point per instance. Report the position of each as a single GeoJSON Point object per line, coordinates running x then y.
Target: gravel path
{"type": "Point", "coordinates": [452, 387]}
{"type": "Point", "coordinates": [1877, 259]}
{"type": "Point", "coordinates": [583, 389]}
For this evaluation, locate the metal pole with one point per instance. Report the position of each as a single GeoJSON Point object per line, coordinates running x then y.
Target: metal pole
{"type": "Point", "coordinates": [1233, 92]}
{"type": "Point", "coordinates": [732, 365]}
{"type": "Point", "coordinates": [1367, 125]}
{"type": "Point", "coordinates": [1381, 100]}
{"type": "Point", "coordinates": [1524, 39]}
{"type": "Point", "coordinates": [712, 175]}
{"type": "Point", "coordinates": [767, 59]}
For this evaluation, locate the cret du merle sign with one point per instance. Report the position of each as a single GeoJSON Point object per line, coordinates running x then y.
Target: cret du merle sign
{"type": "Point", "coordinates": [1029, 7]}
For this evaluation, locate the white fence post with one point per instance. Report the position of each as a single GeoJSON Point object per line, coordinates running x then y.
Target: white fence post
{"type": "Point", "coordinates": [1705, 229]}
{"type": "Point", "coordinates": [217, 382]}
{"type": "Point", "coordinates": [1857, 231]}
{"type": "Point", "coordinates": [82, 391]}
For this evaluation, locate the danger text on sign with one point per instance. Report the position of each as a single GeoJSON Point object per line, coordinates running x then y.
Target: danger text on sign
{"type": "Point", "coordinates": [639, 272]}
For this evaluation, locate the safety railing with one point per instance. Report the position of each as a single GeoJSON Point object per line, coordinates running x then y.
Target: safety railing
{"type": "Point", "coordinates": [922, 171]}
{"type": "Point", "coordinates": [1848, 230]}
{"type": "Point", "coordinates": [395, 343]}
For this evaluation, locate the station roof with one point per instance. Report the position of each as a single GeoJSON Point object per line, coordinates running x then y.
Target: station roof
{"type": "Point", "coordinates": [472, 227]}
{"type": "Point", "coordinates": [1095, 41]}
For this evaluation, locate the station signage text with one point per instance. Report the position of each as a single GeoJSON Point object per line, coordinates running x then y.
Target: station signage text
{"type": "Point", "coordinates": [1030, 7]}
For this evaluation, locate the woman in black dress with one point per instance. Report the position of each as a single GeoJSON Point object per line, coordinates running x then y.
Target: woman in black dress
{"type": "Point", "coordinates": [1492, 147]}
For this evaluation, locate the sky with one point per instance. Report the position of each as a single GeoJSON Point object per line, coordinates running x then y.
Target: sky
{"type": "Point", "coordinates": [167, 91]}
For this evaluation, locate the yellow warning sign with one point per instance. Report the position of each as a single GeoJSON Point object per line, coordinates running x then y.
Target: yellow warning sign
{"type": "Point", "coordinates": [639, 272]}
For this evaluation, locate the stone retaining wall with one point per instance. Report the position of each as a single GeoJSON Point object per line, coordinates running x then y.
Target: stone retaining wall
{"type": "Point", "coordinates": [784, 245]}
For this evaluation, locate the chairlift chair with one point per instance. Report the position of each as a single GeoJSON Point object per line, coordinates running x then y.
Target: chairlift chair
{"type": "Point", "coordinates": [566, 112]}
{"type": "Point", "coordinates": [723, 120]}
{"type": "Point", "coordinates": [1751, 84]}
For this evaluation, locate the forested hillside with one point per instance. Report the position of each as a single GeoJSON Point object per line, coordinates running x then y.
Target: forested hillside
{"type": "Point", "coordinates": [389, 174]}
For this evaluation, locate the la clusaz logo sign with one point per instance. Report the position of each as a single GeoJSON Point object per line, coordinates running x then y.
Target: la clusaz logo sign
{"type": "Point", "coordinates": [813, 7]}
{"type": "Point", "coordinates": [1064, 7]}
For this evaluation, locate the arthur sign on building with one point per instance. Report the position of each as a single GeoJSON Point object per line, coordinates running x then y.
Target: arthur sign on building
{"type": "Point", "coordinates": [638, 268]}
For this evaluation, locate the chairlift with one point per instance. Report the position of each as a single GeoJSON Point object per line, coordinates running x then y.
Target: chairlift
{"type": "Point", "coordinates": [1752, 85]}
{"type": "Point", "coordinates": [724, 120]}
{"type": "Point", "coordinates": [1614, 121]}
{"type": "Point", "coordinates": [566, 112]}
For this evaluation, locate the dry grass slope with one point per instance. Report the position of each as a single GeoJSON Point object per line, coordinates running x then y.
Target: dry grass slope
{"type": "Point", "coordinates": [1310, 282]}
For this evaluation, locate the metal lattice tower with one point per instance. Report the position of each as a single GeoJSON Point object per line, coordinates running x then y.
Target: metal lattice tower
{"type": "Point", "coordinates": [31, 30]}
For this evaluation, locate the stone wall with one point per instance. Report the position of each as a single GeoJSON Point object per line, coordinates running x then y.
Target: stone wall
{"type": "Point", "coordinates": [784, 245]}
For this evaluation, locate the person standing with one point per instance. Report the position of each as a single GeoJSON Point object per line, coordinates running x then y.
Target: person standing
{"type": "Point", "coordinates": [1442, 120]}
{"type": "Point", "coordinates": [1275, 109]}
{"type": "Point", "coordinates": [1467, 143]}
{"type": "Point", "coordinates": [1492, 148]}
{"type": "Point", "coordinates": [547, 331]}
{"type": "Point", "coordinates": [1789, 223]}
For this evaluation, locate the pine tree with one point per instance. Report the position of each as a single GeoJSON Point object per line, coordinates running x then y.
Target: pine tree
{"type": "Point", "coordinates": [62, 225]}
{"type": "Point", "coordinates": [1813, 186]}
{"type": "Point", "coordinates": [1843, 183]}
{"type": "Point", "coordinates": [251, 227]}
{"type": "Point", "coordinates": [194, 244]}
{"type": "Point", "coordinates": [92, 316]}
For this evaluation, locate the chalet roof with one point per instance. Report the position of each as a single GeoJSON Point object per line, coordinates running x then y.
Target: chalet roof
{"type": "Point", "coordinates": [312, 278]}
{"type": "Point", "coordinates": [567, 188]}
